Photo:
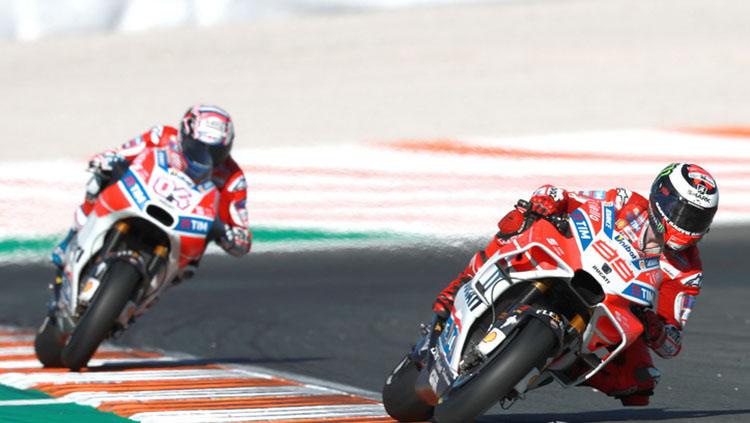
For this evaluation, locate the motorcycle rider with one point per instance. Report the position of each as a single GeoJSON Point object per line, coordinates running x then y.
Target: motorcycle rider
{"type": "Point", "coordinates": [202, 126]}
{"type": "Point", "coordinates": [681, 206]}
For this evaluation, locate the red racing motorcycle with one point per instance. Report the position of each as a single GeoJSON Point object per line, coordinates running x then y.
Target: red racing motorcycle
{"type": "Point", "coordinates": [145, 232]}
{"type": "Point", "coordinates": [558, 302]}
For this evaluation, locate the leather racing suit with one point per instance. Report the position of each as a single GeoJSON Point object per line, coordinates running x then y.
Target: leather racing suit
{"type": "Point", "coordinates": [631, 377]}
{"type": "Point", "coordinates": [228, 177]}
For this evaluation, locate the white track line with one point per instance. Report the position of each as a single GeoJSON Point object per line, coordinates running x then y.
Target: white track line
{"type": "Point", "coordinates": [31, 402]}
{"type": "Point", "coordinates": [34, 364]}
{"type": "Point", "coordinates": [262, 414]}
{"type": "Point", "coordinates": [309, 388]}
{"type": "Point", "coordinates": [25, 350]}
{"type": "Point", "coordinates": [94, 399]}
{"type": "Point", "coordinates": [27, 380]}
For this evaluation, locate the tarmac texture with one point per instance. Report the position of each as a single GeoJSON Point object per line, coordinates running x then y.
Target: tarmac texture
{"type": "Point", "coordinates": [347, 316]}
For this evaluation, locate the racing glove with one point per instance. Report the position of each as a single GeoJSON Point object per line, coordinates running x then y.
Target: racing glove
{"type": "Point", "coordinates": [446, 297]}
{"type": "Point", "coordinates": [663, 338]}
{"type": "Point", "coordinates": [653, 328]}
{"type": "Point", "coordinates": [105, 163]}
{"type": "Point", "coordinates": [543, 205]}
{"type": "Point", "coordinates": [442, 306]}
{"type": "Point", "coordinates": [103, 167]}
{"type": "Point", "coordinates": [547, 201]}
{"type": "Point", "coordinates": [235, 240]}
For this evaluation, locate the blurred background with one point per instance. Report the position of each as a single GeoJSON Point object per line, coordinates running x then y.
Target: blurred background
{"type": "Point", "coordinates": [322, 91]}
{"type": "Point", "coordinates": [81, 75]}
{"type": "Point", "coordinates": [361, 124]}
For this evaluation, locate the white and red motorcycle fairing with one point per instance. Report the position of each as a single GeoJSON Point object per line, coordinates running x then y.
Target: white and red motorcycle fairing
{"type": "Point", "coordinates": [154, 218]}
{"type": "Point", "coordinates": [578, 275]}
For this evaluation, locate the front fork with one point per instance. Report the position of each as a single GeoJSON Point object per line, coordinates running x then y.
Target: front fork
{"type": "Point", "coordinates": [576, 324]}
{"type": "Point", "coordinates": [567, 329]}
{"type": "Point", "coordinates": [159, 257]}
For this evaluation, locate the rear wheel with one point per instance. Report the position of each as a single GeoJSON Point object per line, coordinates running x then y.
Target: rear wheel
{"type": "Point", "coordinates": [48, 343]}
{"type": "Point", "coordinates": [528, 349]}
{"type": "Point", "coordinates": [399, 396]}
{"type": "Point", "coordinates": [98, 320]}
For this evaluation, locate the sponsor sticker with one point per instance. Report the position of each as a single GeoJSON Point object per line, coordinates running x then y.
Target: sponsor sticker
{"type": "Point", "coordinates": [641, 292]}
{"type": "Point", "coordinates": [695, 281]}
{"type": "Point", "coordinates": [135, 189]}
{"type": "Point", "coordinates": [583, 230]}
{"type": "Point", "coordinates": [161, 159]}
{"type": "Point", "coordinates": [647, 263]}
{"type": "Point", "coordinates": [609, 220]}
{"type": "Point", "coordinates": [670, 270]}
{"type": "Point", "coordinates": [448, 337]}
{"type": "Point", "coordinates": [194, 225]}
{"type": "Point", "coordinates": [625, 244]}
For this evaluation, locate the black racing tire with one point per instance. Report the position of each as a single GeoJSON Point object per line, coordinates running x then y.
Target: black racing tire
{"type": "Point", "coordinates": [97, 321]}
{"type": "Point", "coordinates": [399, 396]}
{"type": "Point", "coordinates": [48, 343]}
{"type": "Point", "coordinates": [528, 349]}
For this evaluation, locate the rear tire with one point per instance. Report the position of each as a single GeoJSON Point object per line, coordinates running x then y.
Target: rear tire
{"type": "Point", "coordinates": [399, 396]}
{"type": "Point", "coordinates": [97, 321]}
{"type": "Point", "coordinates": [528, 349]}
{"type": "Point", "coordinates": [48, 344]}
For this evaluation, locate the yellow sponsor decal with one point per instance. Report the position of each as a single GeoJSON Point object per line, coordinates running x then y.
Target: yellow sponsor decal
{"type": "Point", "coordinates": [490, 337]}
{"type": "Point", "coordinates": [88, 286]}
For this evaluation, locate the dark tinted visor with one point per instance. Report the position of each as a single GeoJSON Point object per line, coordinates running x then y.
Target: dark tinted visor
{"type": "Point", "coordinates": [682, 214]}
{"type": "Point", "coordinates": [219, 153]}
{"type": "Point", "coordinates": [198, 159]}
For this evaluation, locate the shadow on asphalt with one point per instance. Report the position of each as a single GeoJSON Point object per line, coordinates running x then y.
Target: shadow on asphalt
{"type": "Point", "coordinates": [651, 414]}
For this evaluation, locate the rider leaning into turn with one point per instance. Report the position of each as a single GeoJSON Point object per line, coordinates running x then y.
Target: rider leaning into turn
{"type": "Point", "coordinates": [678, 213]}
{"type": "Point", "coordinates": [201, 126]}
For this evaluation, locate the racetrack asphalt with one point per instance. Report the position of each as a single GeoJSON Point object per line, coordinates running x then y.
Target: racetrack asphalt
{"type": "Point", "coordinates": [348, 315]}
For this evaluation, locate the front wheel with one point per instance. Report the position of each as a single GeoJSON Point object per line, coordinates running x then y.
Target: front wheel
{"type": "Point", "coordinates": [400, 397]}
{"type": "Point", "coordinates": [97, 321]}
{"type": "Point", "coordinates": [528, 349]}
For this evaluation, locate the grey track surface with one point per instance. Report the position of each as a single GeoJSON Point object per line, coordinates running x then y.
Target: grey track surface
{"type": "Point", "coordinates": [348, 315]}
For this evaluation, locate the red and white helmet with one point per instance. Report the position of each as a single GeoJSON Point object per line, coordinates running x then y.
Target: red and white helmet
{"type": "Point", "coordinates": [682, 204]}
{"type": "Point", "coordinates": [210, 126]}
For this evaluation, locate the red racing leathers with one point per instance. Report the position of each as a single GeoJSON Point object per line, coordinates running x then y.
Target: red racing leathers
{"type": "Point", "coordinates": [227, 176]}
{"type": "Point", "coordinates": [631, 376]}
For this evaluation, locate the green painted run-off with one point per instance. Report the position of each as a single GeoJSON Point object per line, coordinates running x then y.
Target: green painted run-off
{"type": "Point", "coordinates": [8, 393]}
{"type": "Point", "coordinates": [44, 245]}
{"type": "Point", "coordinates": [29, 412]}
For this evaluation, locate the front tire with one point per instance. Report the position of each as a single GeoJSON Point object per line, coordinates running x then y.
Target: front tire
{"type": "Point", "coordinates": [399, 396]}
{"type": "Point", "coordinates": [48, 343]}
{"type": "Point", "coordinates": [97, 321]}
{"type": "Point", "coordinates": [528, 349]}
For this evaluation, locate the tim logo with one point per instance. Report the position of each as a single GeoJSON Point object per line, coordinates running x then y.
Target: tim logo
{"type": "Point", "coordinates": [638, 291]}
{"type": "Point", "coordinates": [135, 190]}
{"type": "Point", "coordinates": [582, 228]}
{"type": "Point", "coordinates": [198, 226]}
